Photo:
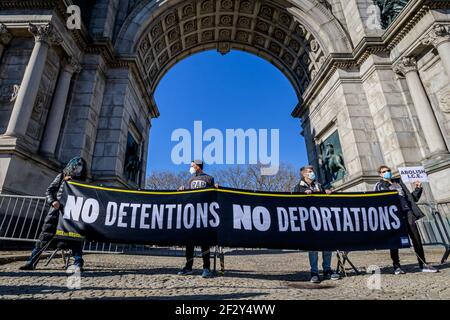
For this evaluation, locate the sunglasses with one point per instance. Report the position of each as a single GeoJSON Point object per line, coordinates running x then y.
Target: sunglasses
{"type": "Point", "coordinates": [385, 171]}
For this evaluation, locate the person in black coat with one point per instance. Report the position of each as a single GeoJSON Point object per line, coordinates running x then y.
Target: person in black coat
{"type": "Point", "coordinates": [308, 184]}
{"type": "Point", "coordinates": [199, 180]}
{"type": "Point", "coordinates": [412, 213]}
{"type": "Point", "coordinates": [75, 169]}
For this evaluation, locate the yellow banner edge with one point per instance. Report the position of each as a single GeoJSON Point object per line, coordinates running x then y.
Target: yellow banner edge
{"type": "Point", "coordinates": [263, 194]}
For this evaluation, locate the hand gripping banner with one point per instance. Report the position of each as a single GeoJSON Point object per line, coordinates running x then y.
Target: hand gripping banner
{"type": "Point", "coordinates": [233, 218]}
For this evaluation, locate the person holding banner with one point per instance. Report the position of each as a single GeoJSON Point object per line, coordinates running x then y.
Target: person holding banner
{"type": "Point", "coordinates": [309, 185]}
{"type": "Point", "coordinates": [75, 169]}
{"type": "Point", "coordinates": [199, 180]}
{"type": "Point", "coordinates": [412, 213]}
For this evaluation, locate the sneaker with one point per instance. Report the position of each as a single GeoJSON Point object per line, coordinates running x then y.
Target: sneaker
{"type": "Point", "coordinates": [27, 266]}
{"type": "Point", "coordinates": [76, 269]}
{"type": "Point", "coordinates": [315, 278]}
{"type": "Point", "coordinates": [429, 269]}
{"type": "Point", "coordinates": [398, 271]}
{"type": "Point", "coordinates": [207, 273]}
{"type": "Point", "coordinates": [185, 272]}
{"type": "Point", "coordinates": [330, 275]}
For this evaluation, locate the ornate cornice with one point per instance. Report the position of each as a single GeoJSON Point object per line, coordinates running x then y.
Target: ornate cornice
{"type": "Point", "coordinates": [405, 65]}
{"type": "Point", "coordinates": [404, 24]}
{"type": "Point", "coordinates": [438, 35]}
{"type": "Point", "coordinates": [71, 65]}
{"type": "Point", "coordinates": [81, 37]}
{"type": "Point", "coordinates": [45, 33]}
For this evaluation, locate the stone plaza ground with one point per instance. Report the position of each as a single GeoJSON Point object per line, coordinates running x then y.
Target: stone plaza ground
{"type": "Point", "coordinates": [253, 275]}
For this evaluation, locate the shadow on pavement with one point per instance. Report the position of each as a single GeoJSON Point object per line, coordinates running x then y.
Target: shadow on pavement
{"type": "Point", "coordinates": [414, 268]}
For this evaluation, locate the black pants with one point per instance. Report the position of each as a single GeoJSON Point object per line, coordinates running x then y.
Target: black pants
{"type": "Point", "coordinates": [414, 234]}
{"type": "Point", "coordinates": [47, 234]}
{"type": "Point", "coordinates": [190, 257]}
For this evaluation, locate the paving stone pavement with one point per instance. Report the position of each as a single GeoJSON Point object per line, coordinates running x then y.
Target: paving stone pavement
{"type": "Point", "coordinates": [257, 275]}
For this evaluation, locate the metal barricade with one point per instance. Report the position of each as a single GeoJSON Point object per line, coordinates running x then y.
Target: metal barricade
{"type": "Point", "coordinates": [21, 217]}
{"type": "Point", "coordinates": [434, 228]}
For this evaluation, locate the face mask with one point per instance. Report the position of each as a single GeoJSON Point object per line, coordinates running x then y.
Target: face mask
{"type": "Point", "coordinates": [78, 170]}
{"type": "Point", "coordinates": [312, 176]}
{"type": "Point", "coordinates": [387, 175]}
{"type": "Point", "coordinates": [192, 170]}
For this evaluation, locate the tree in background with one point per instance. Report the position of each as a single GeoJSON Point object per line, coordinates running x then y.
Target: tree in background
{"type": "Point", "coordinates": [165, 180]}
{"type": "Point", "coordinates": [239, 177]}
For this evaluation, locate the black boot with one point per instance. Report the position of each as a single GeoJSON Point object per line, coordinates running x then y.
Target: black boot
{"type": "Point", "coordinates": [31, 263]}
{"type": "Point", "coordinates": [27, 266]}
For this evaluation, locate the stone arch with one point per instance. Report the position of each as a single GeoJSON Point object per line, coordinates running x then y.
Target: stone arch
{"type": "Point", "coordinates": [294, 35]}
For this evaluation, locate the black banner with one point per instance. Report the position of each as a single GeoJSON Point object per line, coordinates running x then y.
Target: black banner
{"type": "Point", "coordinates": [233, 218]}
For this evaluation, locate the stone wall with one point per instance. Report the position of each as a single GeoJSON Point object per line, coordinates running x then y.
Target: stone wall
{"type": "Point", "coordinates": [43, 101]}
{"type": "Point", "coordinates": [354, 90]}
{"type": "Point", "coordinates": [80, 127]}
{"type": "Point", "coordinates": [342, 105]}
{"type": "Point", "coordinates": [360, 19]}
{"type": "Point", "coordinates": [436, 83]}
{"type": "Point", "coordinates": [123, 111]}
{"type": "Point", "coordinates": [12, 68]}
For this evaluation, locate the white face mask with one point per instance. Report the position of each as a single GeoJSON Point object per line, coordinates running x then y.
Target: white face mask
{"type": "Point", "coordinates": [192, 170]}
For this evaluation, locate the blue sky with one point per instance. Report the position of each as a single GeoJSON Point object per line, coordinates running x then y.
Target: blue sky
{"type": "Point", "coordinates": [238, 90]}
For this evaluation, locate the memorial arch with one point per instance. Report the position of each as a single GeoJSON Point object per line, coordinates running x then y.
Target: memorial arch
{"type": "Point", "coordinates": [371, 81]}
{"type": "Point", "coordinates": [295, 40]}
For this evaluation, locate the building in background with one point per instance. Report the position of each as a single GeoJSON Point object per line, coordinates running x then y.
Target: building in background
{"type": "Point", "coordinates": [372, 79]}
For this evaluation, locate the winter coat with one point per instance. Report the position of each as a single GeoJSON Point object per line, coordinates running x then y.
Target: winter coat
{"type": "Point", "coordinates": [410, 197]}
{"type": "Point", "coordinates": [54, 193]}
{"type": "Point", "coordinates": [302, 187]}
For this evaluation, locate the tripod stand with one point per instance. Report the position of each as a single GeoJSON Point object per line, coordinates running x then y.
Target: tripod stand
{"type": "Point", "coordinates": [65, 253]}
{"type": "Point", "coordinates": [218, 252]}
{"type": "Point", "coordinates": [342, 258]}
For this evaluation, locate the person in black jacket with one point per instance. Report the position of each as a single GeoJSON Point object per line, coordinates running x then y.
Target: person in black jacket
{"type": "Point", "coordinates": [412, 213]}
{"type": "Point", "coordinates": [199, 180]}
{"type": "Point", "coordinates": [75, 169]}
{"type": "Point", "coordinates": [309, 185]}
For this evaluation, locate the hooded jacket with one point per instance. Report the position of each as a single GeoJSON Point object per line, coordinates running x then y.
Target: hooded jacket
{"type": "Point", "coordinates": [54, 193]}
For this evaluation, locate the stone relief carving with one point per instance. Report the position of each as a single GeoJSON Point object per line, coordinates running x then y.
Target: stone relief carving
{"type": "Point", "coordinates": [331, 159]}
{"type": "Point", "coordinates": [444, 101]}
{"type": "Point", "coordinates": [45, 33]}
{"type": "Point", "coordinates": [16, 88]}
{"type": "Point", "coordinates": [72, 65]}
{"type": "Point", "coordinates": [390, 9]}
{"type": "Point", "coordinates": [8, 93]}
{"type": "Point", "coordinates": [438, 35]}
{"type": "Point", "coordinates": [223, 47]}
{"type": "Point", "coordinates": [5, 36]}
{"type": "Point", "coordinates": [405, 65]}
{"type": "Point", "coordinates": [132, 165]}
{"type": "Point", "coordinates": [326, 4]}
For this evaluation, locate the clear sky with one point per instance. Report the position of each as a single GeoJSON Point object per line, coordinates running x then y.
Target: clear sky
{"type": "Point", "coordinates": [238, 90]}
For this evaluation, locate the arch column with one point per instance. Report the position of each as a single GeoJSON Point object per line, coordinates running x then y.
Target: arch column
{"type": "Point", "coordinates": [44, 36]}
{"type": "Point", "coordinates": [58, 107]}
{"type": "Point", "coordinates": [433, 135]}
{"type": "Point", "coordinates": [5, 38]}
{"type": "Point", "coordinates": [439, 38]}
